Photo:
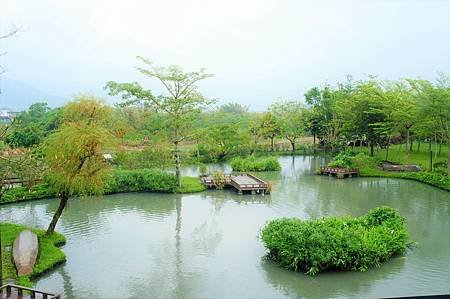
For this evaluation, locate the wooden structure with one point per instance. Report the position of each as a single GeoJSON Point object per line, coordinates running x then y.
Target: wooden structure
{"type": "Point", "coordinates": [11, 291]}
{"type": "Point", "coordinates": [243, 182]}
{"type": "Point", "coordinates": [339, 173]}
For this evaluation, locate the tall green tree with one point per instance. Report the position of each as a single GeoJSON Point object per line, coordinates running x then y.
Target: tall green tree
{"type": "Point", "coordinates": [291, 118]}
{"type": "Point", "coordinates": [74, 153]}
{"type": "Point", "coordinates": [180, 104]}
{"type": "Point", "coordinates": [269, 127]}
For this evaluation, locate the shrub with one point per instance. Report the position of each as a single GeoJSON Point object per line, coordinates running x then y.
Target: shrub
{"type": "Point", "coordinates": [22, 193]}
{"type": "Point", "coordinates": [141, 180]}
{"type": "Point", "coordinates": [255, 164]}
{"type": "Point", "coordinates": [342, 160]}
{"type": "Point", "coordinates": [334, 243]}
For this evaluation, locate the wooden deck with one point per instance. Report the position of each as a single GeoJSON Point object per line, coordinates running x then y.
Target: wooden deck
{"type": "Point", "coordinates": [11, 291]}
{"type": "Point", "coordinates": [339, 173]}
{"type": "Point", "coordinates": [243, 182]}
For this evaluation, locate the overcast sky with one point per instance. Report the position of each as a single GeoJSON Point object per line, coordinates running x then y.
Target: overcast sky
{"type": "Point", "coordinates": [258, 50]}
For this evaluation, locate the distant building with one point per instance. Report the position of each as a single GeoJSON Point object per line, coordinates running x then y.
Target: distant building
{"type": "Point", "coordinates": [6, 115]}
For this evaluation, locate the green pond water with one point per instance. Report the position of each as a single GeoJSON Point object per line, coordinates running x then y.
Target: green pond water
{"type": "Point", "coordinates": [206, 245]}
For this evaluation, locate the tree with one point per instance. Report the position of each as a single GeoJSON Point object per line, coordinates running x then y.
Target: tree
{"type": "Point", "coordinates": [234, 108]}
{"type": "Point", "coordinates": [269, 127]}
{"type": "Point", "coordinates": [74, 153]}
{"type": "Point", "coordinates": [291, 117]}
{"type": "Point", "coordinates": [181, 102]}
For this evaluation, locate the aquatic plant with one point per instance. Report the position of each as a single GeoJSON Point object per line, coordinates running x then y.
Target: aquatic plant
{"type": "Point", "coordinates": [336, 243]}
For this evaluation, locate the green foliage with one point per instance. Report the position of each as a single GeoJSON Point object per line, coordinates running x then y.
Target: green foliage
{"type": "Point", "coordinates": [22, 193]}
{"type": "Point", "coordinates": [157, 156]}
{"type": "Point", "coordinates": [32, 126]}
{"type": "Point", "coordinates": [140, 180]}
{"type": "Point", "coordinates": [49, 253]}
{"type": "Point", "coordinates": [370, 167]}
{"type": "Point", "coordinates": [336, 243]}
{"type": "Point", "coordinates": [255, 164]}
{"type": "Point", "coordinates": [342, 160]}
{"type": "Point", "coordinates": [74, 153]}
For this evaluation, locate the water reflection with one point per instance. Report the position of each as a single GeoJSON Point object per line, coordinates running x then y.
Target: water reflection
{"type": "Point", "coordinates": [206, 244]}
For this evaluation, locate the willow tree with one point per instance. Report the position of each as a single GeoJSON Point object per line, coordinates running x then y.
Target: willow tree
{"type": "Point", "coordinates": [74, 153]}
{"type": "Point", "coordinates": [181, 102]}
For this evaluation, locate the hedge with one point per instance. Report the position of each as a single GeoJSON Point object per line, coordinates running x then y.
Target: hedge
{"type": "Point", "coordinates": [255, 164]}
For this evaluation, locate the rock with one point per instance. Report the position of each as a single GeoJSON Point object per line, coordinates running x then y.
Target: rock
{"type": "Point", "coordinates": [388, 166]}
{"type": "Point", "coordinates": [25, 252]}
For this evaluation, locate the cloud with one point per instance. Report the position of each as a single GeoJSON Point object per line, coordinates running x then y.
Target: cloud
{"type": "Point", "coordinates": [259, 50]}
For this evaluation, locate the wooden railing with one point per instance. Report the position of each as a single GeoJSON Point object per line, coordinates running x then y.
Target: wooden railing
{"type": "Point", "coordinates": [15, 291]}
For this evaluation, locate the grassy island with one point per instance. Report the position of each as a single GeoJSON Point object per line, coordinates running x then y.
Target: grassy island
{"type": "Point", "coordinates": [49, 253]}
{"type": "Point", "coordinates": [336, 243]}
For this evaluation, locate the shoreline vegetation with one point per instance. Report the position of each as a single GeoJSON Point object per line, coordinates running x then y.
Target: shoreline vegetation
{"type": "Point", "coordinates": [370, 167]}
{"type": "Point", "coordinates": [155, 180]}
{"type": "Point", "coordinates": [336, 243]}
{"type": "Point", "coordinates": [50, 255]}
{"type": "Point", "coordinates": [120, 181]}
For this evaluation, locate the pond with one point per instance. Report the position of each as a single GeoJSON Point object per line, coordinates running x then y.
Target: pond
{"type": "Point", "coordinates": [206, 245]}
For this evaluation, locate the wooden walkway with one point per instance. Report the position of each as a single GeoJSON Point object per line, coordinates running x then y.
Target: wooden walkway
{"type": "Point", "coordinates": [244, 182]}
{"type": "Point", "coordinates": [11, 291]}
{"type": "Point", "coordinates": [339, 173]}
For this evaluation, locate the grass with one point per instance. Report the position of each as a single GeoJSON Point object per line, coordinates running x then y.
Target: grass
{"type": "Point", "coordinates": [190, 185]}
{"type": "Point", "coordinates": [49, 253]}
{"type": "Point", "coordinates": [370, 167]}
{"type": "Point", "coordinates": [397, 153]}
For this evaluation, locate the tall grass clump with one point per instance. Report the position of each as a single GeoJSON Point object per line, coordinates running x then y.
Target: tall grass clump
{"type": "Point", "coordinates": [255, 164]}
{"type": "Point", "coordinates": [141, 180]}
{"type": "Point", "coordinates": [336, 243]}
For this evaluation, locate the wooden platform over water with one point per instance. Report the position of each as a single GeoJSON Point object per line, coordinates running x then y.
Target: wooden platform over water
{"type": "Point", "coordinates": [11, 291]}
{"type": "Point", "coordinates": [240, 182]}
{"type": "Point", "coordinates": [339, 173]}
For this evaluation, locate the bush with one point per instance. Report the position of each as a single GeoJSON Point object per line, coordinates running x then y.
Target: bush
{"type": "Point", "coordinates": [141, 180]}
{"type": "Point", "coordinates": [334, 243]}
{"type": "Point", "coordinates": [22, 193]}
{"type": "Point", "coordinates": [255, 164]}
{"type": "Point", "coordinates": [342, 160]}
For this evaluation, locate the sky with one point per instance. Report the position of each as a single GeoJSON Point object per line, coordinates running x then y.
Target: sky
{"type": "Point", "coordinates": [258, 50]}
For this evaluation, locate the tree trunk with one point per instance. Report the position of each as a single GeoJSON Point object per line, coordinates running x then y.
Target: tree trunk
{"type": "Point", "coordinates": [448, 155]}
{"type": "Point", "coordinates": [371, 149]}
{"type": "Point", "coordinates": [418, 145]}
{"type": "Point", "coordinates": [272, 143]}
{"type": "Point", "coordinates": [407, 144]}
{"type": "Point", "coordinates": [292, 145]}
{"type": "Point", "coordinates": [387, 148]}
{"type": "Point", "coordinates": [177, 164]}
{"type": "Point", "coordinates": [62, 205]}
{"type": "Point", "coordinates": [314, 139]}
{"type": "Point", "coordinates": [411, 145]}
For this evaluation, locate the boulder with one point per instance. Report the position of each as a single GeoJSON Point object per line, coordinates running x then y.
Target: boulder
{"type": "Point", "coordinates": [389, 166]}
{"type": "Point", "coordinates": [25, 252]}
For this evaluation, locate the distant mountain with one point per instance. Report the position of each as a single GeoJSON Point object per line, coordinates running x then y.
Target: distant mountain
{"type": "Point", "coordinates": [17, 96]}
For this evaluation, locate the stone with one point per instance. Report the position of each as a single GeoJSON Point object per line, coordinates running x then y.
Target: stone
{"type": "Point", "coordinates": [25, 252]}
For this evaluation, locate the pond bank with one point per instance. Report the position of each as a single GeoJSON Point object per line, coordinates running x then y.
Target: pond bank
{"type": "Point", "coordinates": [49, 254]}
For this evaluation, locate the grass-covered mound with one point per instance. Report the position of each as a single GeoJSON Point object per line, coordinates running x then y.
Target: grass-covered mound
{"type": "Point", "coordinates": [255, 164]}
{"type": "Point", "coordinates": [49, 253]}
{"type": "Point", "coordinates": [336, 243]}
{"type": "Point", "coordinates": [190, 185]}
